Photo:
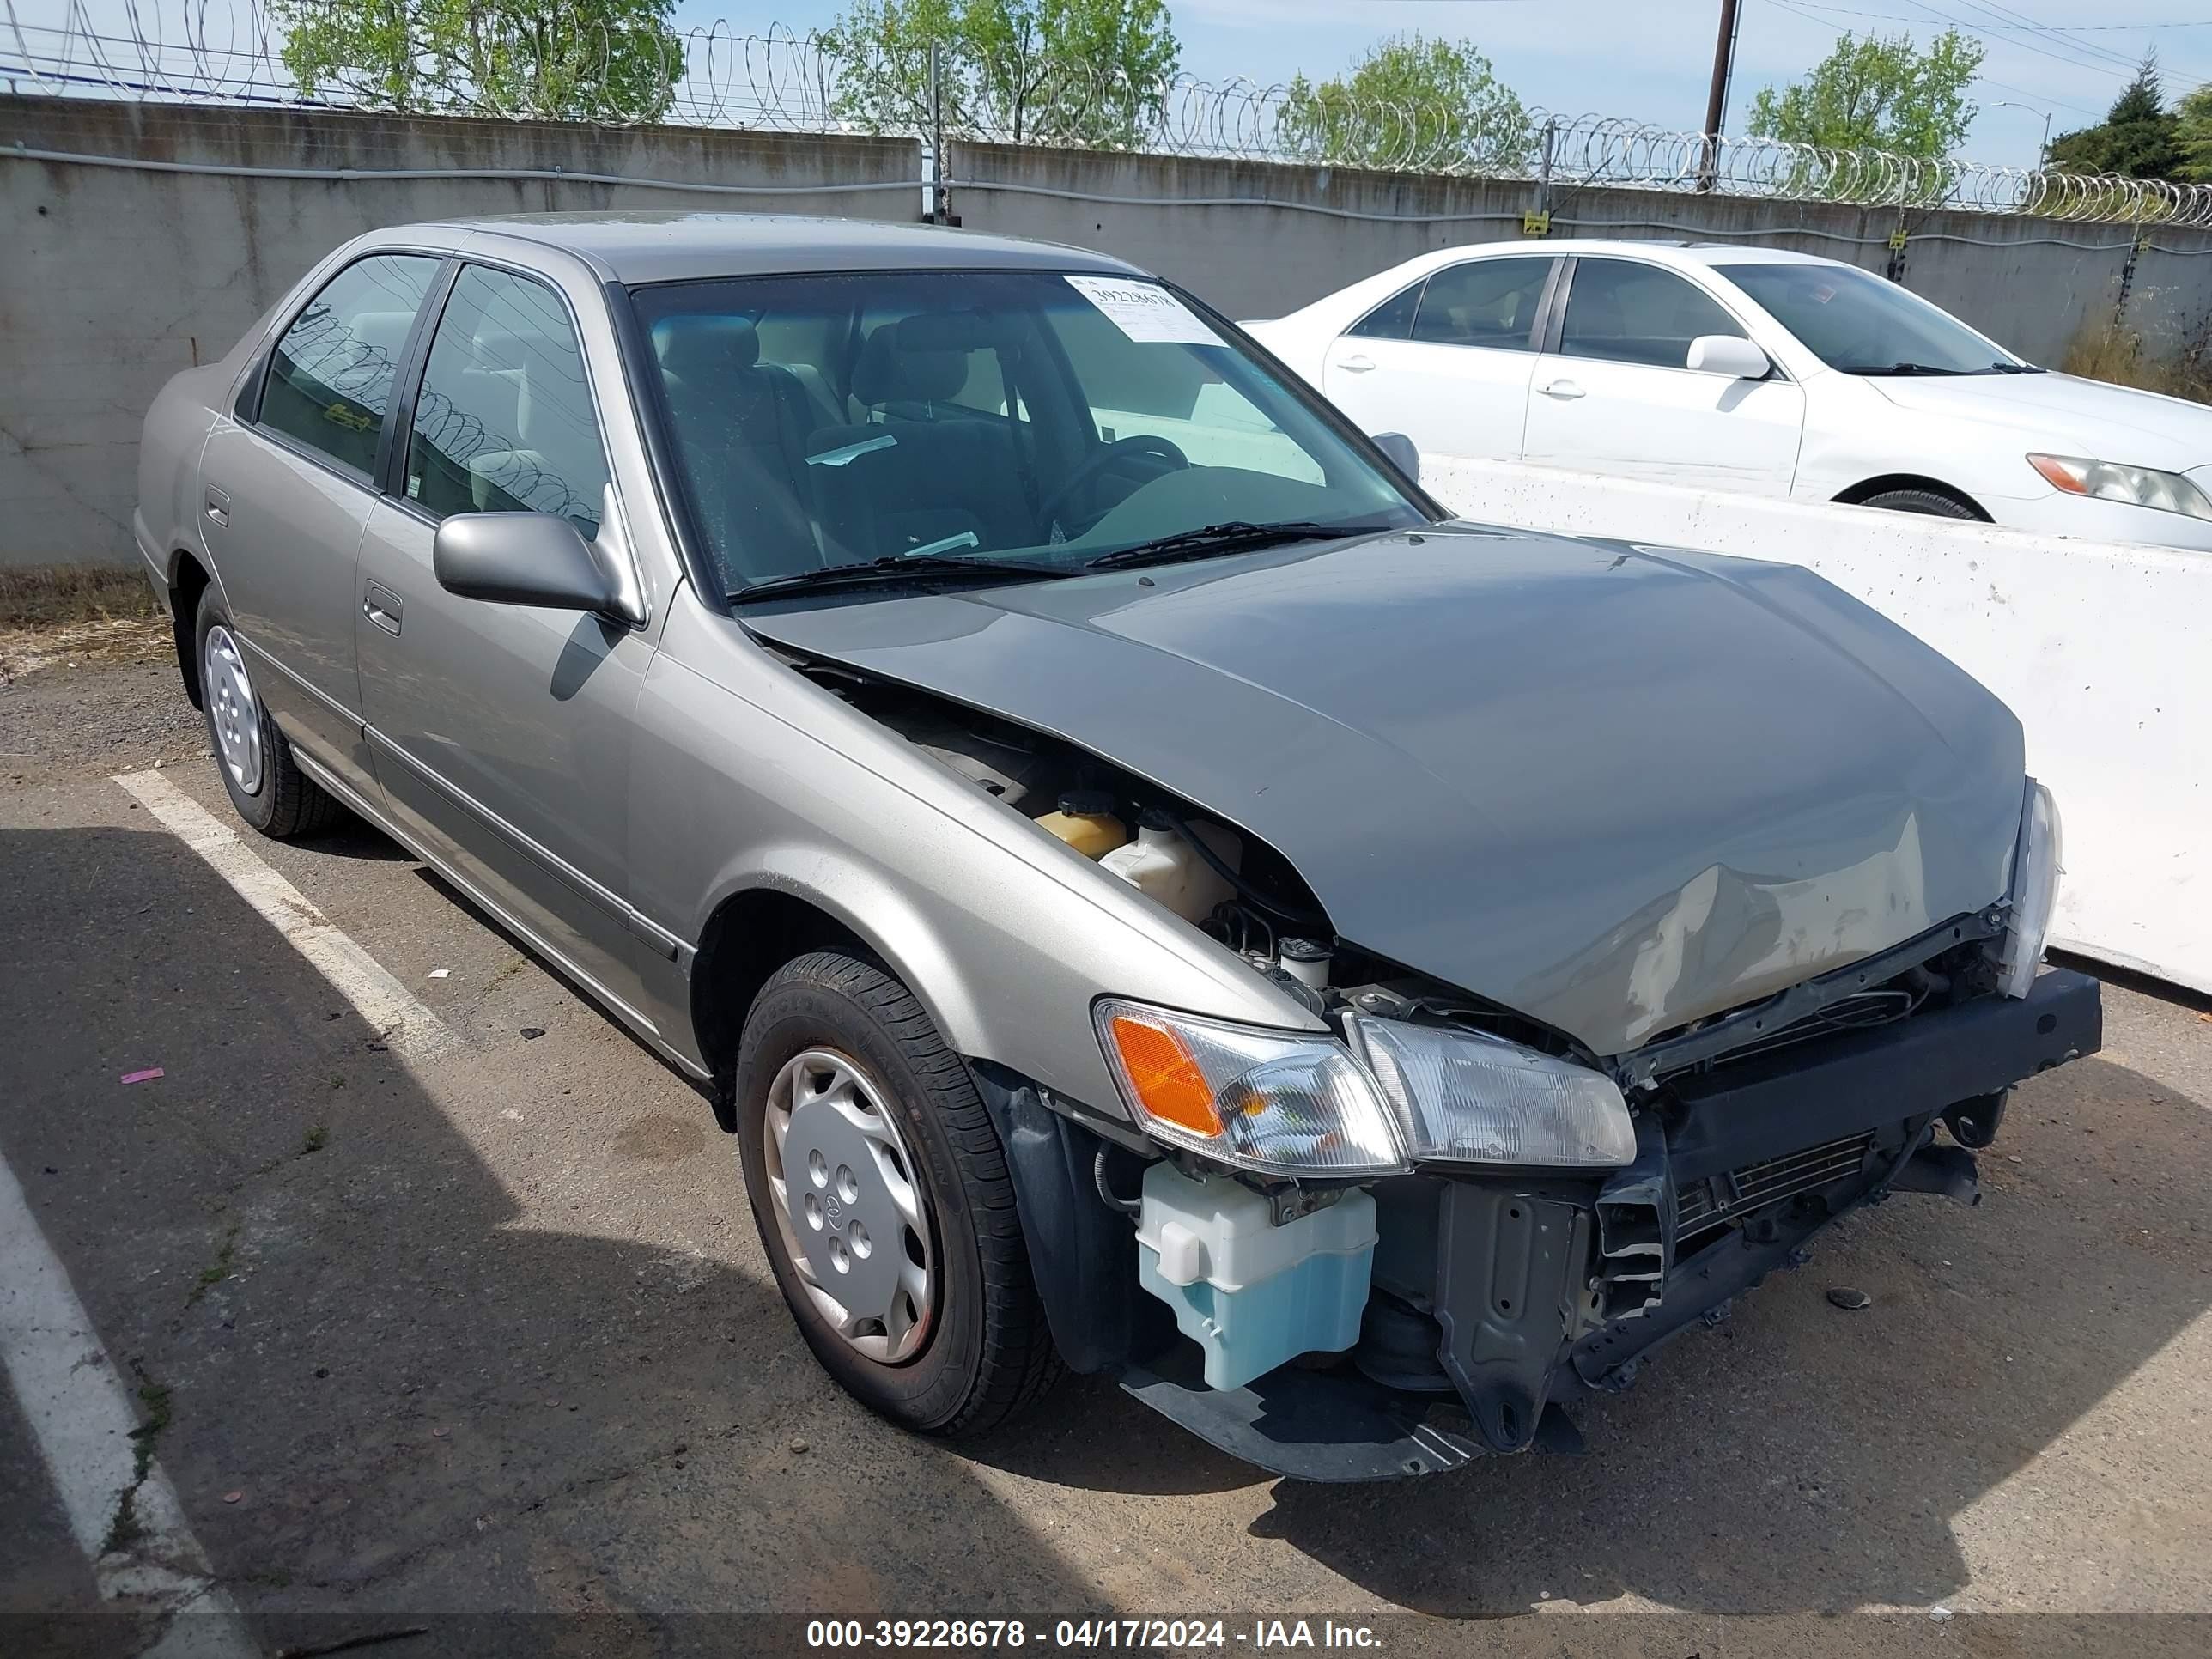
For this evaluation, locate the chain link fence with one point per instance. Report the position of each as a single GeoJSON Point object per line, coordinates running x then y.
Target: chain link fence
{"type": "Point", "coordinates": [234, 52]}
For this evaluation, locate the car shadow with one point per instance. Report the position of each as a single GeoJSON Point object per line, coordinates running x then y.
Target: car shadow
{"type": "Point", "coordinates": [489, 1336]}
{"type": "Point", "coordinates": [353, 837]}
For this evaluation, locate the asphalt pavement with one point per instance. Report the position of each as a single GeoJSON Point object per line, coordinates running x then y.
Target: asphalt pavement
{"type": "Point", "coordinates": [484, 1341]}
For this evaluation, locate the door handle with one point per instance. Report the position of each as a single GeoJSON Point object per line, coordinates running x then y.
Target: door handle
{"type": "Point", "coordinates": [1360, 363]}
{"type": "Point", "coordinates": [218, 504]}
{"type": "Point", "coordinates": [1563, 390]}
{"type": "Point", "coordinates": [382, 607]}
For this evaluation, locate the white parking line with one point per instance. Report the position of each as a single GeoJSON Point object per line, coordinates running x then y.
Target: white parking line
{"type": "Point", "coordinates": [407, 1024]}
{"type": "Point", "coordinates": [82, 1420]}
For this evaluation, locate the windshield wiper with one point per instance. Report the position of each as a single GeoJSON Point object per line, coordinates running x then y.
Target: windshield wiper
{"type": "Point", "coordinates": [1903, 369]}
{"type": "Point", "coordinates": [2018, 369]}
{"type": "Point", "coordinates": [1233, 535]}
{"type": "Point", "coordinates": [862, 573]}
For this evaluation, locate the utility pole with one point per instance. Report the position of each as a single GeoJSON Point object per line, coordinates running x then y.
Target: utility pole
{"type": "Point", "coordinates": [2043, 152]}
{"type": "Point", "coordinates": [1716, 98]}
{"type": "Point", "coordinates": [940, 196]}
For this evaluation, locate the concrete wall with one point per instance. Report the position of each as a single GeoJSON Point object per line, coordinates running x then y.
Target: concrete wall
{"type": "Point", "coordinates": [112, 278]}
{"type": "Point", "coordinates": [1260, 239]}
{"type": "Point", "coordinates": [2104, 651]}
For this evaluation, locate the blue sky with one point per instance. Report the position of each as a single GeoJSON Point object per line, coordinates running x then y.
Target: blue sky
{"type": "Point", "coordinates": [1651, 59]}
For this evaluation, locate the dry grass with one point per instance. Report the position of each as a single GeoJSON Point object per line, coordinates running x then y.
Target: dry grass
{"type": "Point", "coordinates": [64, 615]}
{"type": "Point", "coordinates": [39, 594]}
{"type": "Point", "coordinates": [2103, 352]}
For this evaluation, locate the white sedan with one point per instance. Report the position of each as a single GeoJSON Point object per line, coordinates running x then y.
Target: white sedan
{"type": "Point", "coordinates": [1746, 369]}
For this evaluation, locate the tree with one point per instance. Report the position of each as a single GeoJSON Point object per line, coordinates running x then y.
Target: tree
{"type": "Point", "coordinates": [1088, 73]}
{"type": "Point", "coordinates": [2138, 138]}
{"type": "Point", "coordinates": [609, 60]}
{"type": "Point", "coordinates": [1878, 93]}
{"type": "Point", "coordinates": [2192, 134]}
{"type": "Point", "coordinates": [1411, 101]}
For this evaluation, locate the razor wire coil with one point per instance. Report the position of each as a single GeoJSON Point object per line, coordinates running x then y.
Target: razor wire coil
{"type": "Point", "coordinates": [232, 52]}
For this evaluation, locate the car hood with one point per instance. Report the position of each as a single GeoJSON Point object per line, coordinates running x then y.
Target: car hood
{"type": "Point", "coordinates": [1614, 788]}
{"type": "Point", "coordinates": [2066, 415]}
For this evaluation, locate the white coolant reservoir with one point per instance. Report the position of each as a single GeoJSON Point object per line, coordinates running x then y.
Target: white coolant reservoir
{"type": "Point", "coordinates": [1252, 1295]}
{"type": "Point", "coordinates": [1167, 869]}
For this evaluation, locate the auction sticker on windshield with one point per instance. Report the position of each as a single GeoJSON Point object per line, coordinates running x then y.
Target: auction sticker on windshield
{"type": "Point", "coordinates": [1144, 312]}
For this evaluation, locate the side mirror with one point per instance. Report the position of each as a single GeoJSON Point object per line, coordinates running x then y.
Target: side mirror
{"type": "Point", "coordinates": [523, 558]}
{"type": "Point", "coordinates": [1730, 355]}
{"type": "Point", "coordinates": [1403, 456]}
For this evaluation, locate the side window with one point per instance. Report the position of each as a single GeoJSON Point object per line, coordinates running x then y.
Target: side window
{"type": "Point", "coordinates": [1635, 313]}
{"type": "Point", "coordinates": [1393, 319]}
{"type": "Point", "coordinates": [504, 421]}
{"type": "Point", "coordinates": [1484, 302]}
{"type": "Point", "coordinates": [329, 378]}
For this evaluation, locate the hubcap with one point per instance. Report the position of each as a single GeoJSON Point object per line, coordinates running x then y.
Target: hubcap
{"type": "Point", "coordinates": [855, 1221]}
{"type": "Point", "coordinates": [232, 709]}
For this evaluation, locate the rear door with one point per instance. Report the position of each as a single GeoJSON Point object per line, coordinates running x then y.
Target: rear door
{"type": "Point", "coordinates": [501, 733]}
{"type": "Point", "coordinates": [1612, 392]}
{"type": "Point", "coordinates": [287, 488]}
{"type": "Point", "coordinates": [1448, 360]}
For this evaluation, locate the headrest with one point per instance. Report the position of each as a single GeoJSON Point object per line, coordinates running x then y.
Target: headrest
{"type": "Point", "coordinates": [946, 330]}
{"type": "Point", "coordinates": [892, 370]}
{"type": "Point", "coordinates": [503, 349]}
{"type": "Point", "coordinates": [705, 346]}
{"type": "Point", "coordinates": [384, 329]}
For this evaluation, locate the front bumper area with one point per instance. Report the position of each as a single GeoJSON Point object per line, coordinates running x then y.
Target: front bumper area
{"type": "Point", "coordinates": [1498, 1297]}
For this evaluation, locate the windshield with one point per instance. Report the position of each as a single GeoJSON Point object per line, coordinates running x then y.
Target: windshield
{"type": "Point", "coordinates": [1006, 417]}
{"type": "Point", "coordinates": [1865, 324]}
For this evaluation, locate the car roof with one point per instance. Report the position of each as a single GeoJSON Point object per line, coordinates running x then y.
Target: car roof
{"type": "Point", "coordinates": [1666, 253]}
{"type": "Point", "coordinates": [659, 247]}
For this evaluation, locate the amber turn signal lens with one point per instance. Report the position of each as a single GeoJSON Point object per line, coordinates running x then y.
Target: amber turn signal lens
{"type": "Point", "coordinates": [2067, 475]}
{"type": "Point", "coordinates": [1166, 1079]}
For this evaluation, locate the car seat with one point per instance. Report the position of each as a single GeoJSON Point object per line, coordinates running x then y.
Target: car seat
{"type": "Point", "coordinates": [923, 471]}
{"type": "Point", "coordinates": [741, 428]}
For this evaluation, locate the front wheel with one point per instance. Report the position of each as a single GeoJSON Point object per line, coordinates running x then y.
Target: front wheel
{"type": "Point", "coordinates": [1932, 503]}
{"type": "Point", "coordinates": [883, 1199]}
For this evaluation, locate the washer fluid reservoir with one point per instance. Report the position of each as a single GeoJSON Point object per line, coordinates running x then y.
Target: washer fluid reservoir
{"type": "Point", "coordinates": [1167, 869]}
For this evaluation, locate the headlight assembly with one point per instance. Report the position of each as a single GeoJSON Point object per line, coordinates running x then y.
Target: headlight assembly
{"type": "Point", "coordinates": [1283, 1102]}
{"type": "Point", "coordinates": [2110, 481]}
{"type": "Point", "coordinates": [1288, 1102]}
{"type": "Point", "coordinates": [1465, 1096]}
{"type": "Point", "coordinates": [2035, 872]}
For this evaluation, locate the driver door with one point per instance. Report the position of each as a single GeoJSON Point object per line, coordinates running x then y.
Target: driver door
{"type": "Point", "coordinates": [1613, 393]}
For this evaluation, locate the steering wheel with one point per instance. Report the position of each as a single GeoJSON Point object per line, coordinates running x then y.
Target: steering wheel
{"type": "Point", "coordinates": [1135, 444]}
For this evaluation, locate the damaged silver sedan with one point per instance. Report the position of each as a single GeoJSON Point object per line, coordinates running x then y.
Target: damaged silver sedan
{"type": "Point", "coordinates": [1146, 891]}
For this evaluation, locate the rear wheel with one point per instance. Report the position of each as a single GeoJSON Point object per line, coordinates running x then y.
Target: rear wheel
{"type": "Point", "coordinates": [265, 785]}
{"type": "Point", "coordinates": [1933, 503]}
{"type": "Point", "coordinates": [882, 1197]}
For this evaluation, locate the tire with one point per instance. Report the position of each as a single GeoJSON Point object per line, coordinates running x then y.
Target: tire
{"type": "Point", "coordinates": [983, 1351]}
{"type": "Point", "coordinates": [265, 785]}
{"type": "Point", "coordinates": [1932, 503]}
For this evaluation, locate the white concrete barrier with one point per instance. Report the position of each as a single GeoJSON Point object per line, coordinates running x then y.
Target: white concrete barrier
{"type": "Point", "coordinates": [2103, 651]}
